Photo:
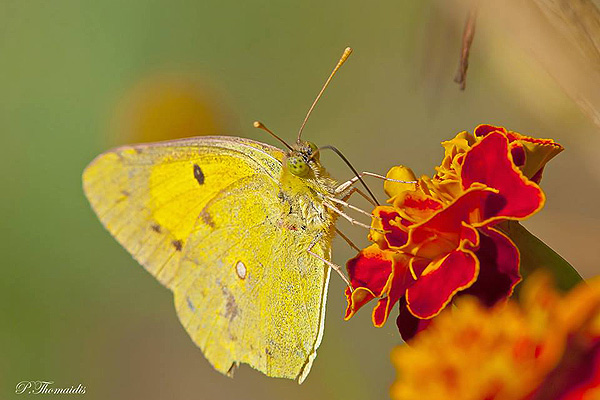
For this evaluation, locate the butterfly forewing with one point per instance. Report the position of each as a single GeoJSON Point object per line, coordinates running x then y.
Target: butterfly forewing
{"type": "Point", "coordinates": [150, 196]}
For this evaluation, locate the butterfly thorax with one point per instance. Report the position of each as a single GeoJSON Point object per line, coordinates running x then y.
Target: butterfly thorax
{"type": "Point", "coordinates": [305, 184]}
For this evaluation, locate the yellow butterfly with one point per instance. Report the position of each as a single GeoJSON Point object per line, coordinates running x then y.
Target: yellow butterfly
{"type": "Point", "coordinates": [240, 231]}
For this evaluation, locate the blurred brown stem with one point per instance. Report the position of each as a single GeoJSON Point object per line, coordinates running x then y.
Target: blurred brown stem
{"type": "Point", "coordinates": [467, 40]}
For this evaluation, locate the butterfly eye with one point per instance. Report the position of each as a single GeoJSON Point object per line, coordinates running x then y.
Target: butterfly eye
{"type": "Point", "coordinates": [313, 150]}
{"type": "Point", "coordinates": [297, 166]}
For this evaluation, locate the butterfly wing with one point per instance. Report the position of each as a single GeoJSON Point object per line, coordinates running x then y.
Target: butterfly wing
{"type": "Point", "coordinates": [203, 215]}
{"type": "Point", "coordinates": [150, 196]}
{"type": "Point", "coordinates": [265, 292]}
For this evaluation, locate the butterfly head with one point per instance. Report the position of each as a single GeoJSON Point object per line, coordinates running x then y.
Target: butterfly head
{"type": "Point", "coordinates": [303, 159]}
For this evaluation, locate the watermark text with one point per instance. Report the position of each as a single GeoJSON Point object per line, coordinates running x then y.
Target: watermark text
{"type": "Point", "coordinates": [46, 387]}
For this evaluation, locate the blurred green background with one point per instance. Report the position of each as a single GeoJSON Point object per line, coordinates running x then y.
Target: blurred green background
{"type": "Point", "coordinates": [78, 77]}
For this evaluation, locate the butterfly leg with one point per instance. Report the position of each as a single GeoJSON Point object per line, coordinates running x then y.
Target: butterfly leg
{"type": "Point", "coordinates": [335, 267]}
{"type": "Point", "coordinates": [350, 206]}
{"type": "Point", "coordinates": [344, 203]}
{"type": "Point", "coordinates": [355, 247]}
{"type": "Point", "coordinates": [349, 218]}
{"type": "Point", "coordinates": [357, 190]}
{"type": "Point", "coordinates": [363, 194]}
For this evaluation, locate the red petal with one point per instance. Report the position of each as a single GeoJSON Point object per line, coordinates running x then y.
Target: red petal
{"type": "Point", "coordinates": [537, 177]}
{"type": "Point", "coordinates": [401, 280]}
{"type": "Point", "coordinates": [415, 206]}
{"type": "Point", "coordinates": [498, 267]}
{"type": "Point", "coordinates": [408, 324]}
{"type": "Point", "coordinates": [415, 203]}
{"type": "Point", "coordinates": [356, 299]}
{"type": "Point", "coordinates": [436, 287]}
{"type": "Point", "coordinates": [370, 269]}
{"type": "Point", "coordinates": [484, 129]}
{"type": "Point", "coordinates": [369, 273]}
{"type": "Point", "coordinates": [445, 230]}
{"type": "Point", "coordinates": [469, 235]}
{"type": "Point", "coordinates": [489, 162]}
{"type": "Point", "coordinates": [396, 236]}
{"type": "Point", "coordinates": [377, 273]}
{"type": "Point", "coordinates": [518, 154]}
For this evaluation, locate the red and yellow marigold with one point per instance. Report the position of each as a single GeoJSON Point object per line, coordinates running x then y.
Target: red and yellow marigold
{"type": "Point", "coordinates": [443, 235]}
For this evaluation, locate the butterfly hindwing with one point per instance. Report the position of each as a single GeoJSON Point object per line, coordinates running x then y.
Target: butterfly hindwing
{"type": "Point", "coordinates": [265, 293]}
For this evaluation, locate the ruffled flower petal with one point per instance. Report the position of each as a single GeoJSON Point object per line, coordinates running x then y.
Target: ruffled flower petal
{"type": "Point", "coordinates": [389, 220]}
{"type": "Point", "coordinates": [415, 206]}
{"type": "Point", "coordinates": [531, 154]}
{"type": "Point", "coordinates": [377, 273]}
{"type": "Point", "coordinates": [498, 269]}
{"type": "Point", "coordinates": [440, 282]}
{"type": "Point", "coordinates": [409, 325]}
{"type": "Point", "coordinates": [443, 232]}
{"type": "Point", "coordinates": [489, 163]}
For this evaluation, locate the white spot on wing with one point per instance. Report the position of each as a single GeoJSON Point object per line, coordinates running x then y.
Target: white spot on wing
{"type": "Point", "coordinates": [240, 269]}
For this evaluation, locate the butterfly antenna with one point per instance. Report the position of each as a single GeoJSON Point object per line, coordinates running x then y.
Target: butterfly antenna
{"type": "Point", "coordinates": [260, 125]}
{"type": "Point", "coordinates": [347, 52]}
{"type": "Point", "coordinates": [339, 153]}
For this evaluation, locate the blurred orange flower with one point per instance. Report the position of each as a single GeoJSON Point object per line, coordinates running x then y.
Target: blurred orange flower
{"type": "Point", "coordinates": [166, 107]}
{"type": "Point", "coordinates": [443, 235]}
{"type": "Point", "coordinates": [546, 347]}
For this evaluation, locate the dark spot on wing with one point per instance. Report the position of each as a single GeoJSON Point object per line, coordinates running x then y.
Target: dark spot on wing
{"type": "Point", "coordinates": [190, 304]}
{"type": "Point", "coordinates": [177, 244]}
{"type": "Point", "coordinates": [231, 308]}
{"type": "Point", "coordinates": [156, 228]}
{"type": "Point", "coordinates": [124, 196]}
{"type": "Point", "coordinates": [198, 174]}
{"type": "Point", "coordinates": [207, 218]}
